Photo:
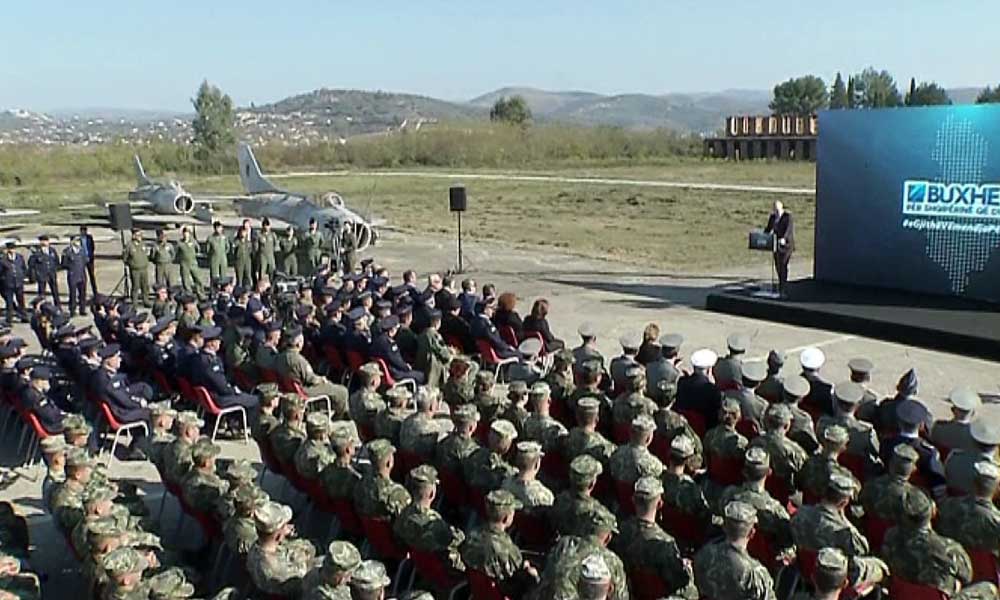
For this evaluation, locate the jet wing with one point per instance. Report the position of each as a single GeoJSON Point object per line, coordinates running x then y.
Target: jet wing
{"type": "Point", "coordinates": [17, 212]}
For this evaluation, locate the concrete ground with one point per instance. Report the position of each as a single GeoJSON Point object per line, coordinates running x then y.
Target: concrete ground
{"type": "Point", "coordinates": [616, 297]}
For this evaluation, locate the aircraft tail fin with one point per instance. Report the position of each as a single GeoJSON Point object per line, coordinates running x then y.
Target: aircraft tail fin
{"type": "Point", "coordinates": [140, 173]}
{"type": "Point", "coordinates": [250, 176]}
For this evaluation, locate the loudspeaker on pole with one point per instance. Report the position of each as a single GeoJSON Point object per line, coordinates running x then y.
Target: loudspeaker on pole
{"type": "Point", "coordinates": [120, 216]}
{"type": "Point", "coordinates": [457, 201]}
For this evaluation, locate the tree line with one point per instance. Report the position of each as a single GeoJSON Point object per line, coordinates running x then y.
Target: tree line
{"type": "Point", "coordinates": [871, 88]}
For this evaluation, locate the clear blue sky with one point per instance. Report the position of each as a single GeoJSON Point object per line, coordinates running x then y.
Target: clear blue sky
{"type": "Point", "coordinates": [146, 54]}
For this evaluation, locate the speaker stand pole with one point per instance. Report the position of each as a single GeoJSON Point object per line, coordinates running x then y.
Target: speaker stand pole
{"type": "Point", "coordinates": [123, 283]}
{"type": "Point", "coordinates": [461, 268]}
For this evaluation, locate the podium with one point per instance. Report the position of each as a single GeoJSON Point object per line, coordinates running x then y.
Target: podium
{"type": "Point", "coordinates": [761, 241]}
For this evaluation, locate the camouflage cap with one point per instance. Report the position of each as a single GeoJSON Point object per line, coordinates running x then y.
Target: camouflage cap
{"type": "Point", "coordinates": [599, 520]}
{"type": "Point", "coordinates": [484, 377]}
{"type": "Point", "coordinates": [648, 487]}
{"type": "Point", "coordinates": [170, 585]}
{"type": "Point", "coordinates": [416, 595]}
{"type": "Point", "coordinates": [398, 394]}
{"type": "Point", "coordinates": [985, 431]}
{"type": "Point", "coordinates": [341, 557]}
{"type": "Point", "coordinates": [291, 403]}
{"type": "Point", "coordinates": [740, 512]}
{"type": "Point", "coordinates": [271, 516]}
{"type": "Point", "coordinates": [517, 387]}
{"type": "Point", "coordinates": [917, 505]}
{"type": "Point", "coordinates": [123, 561]}
{"type": "Point", "coordinates": [74, 424]}
{"type": "Point", "coordinates": [79, 457]}
{"type": "Point", "coordinates": [563, 357]}
{"type": "Point", "coordinates": [240, 470]}
{"type": "Point", "coordinates": [540, 389]}
{"type": "Point", "coordinates": [189, 418]}
{"type": "Point", "coordinates": [757, 456]}
{"type": "Point", "coordinates": [987, 471]}
{"type": "Point", "coordinates": [584, 468]}
{"type": "Point", "coordinates": [905, 453]}
{"type": "Point", "coordinates": [836, 434]}
{"type": "Point", "coordinates": [465, 413]}
{"type": "Point", "coordinates": [842, 484]}
{"type": "Point", "coordinates": [53, 444]}
{"type": "Point", "coordinates": [204, 449]}
{"type": "Point", "coordinates": [795, 386]}
{"type": "Point", "coordinates": [103, 527]}
{"type": "Point", "coordinates": [594, 569]}
{"type": "Point", "coordinates": [504, 428]}
{"type": "Point", "coordinates": [682, 446]}
{"type": "Point", "coordinates": [964, 398]}
{"type": "Point", "coordinates": [778, 414]}
{"type": "Point", "coordinates": [245, 495]}
{"type": "Point", "coordinates": [730, 405]}
{"type": "Point", "coordinates": [268, 391]}
{"type": "Point", "coordinates": [529, 448]}
{"type": "Point", "coordinates": [99, 493]}
{"type": "Point", "coordinates": [342, 433]}
{"type": "Point", "coordinates": [317, 422]}
{"type": "Point", "coordinates": [831, 560]}
{"type": "Point", "coordinates": [379, 449]}
{"type": "Point", "coordinates": [369, 575]}
{"type": "Point", "coordinates": [633, 372]}
{"type": "Point", "coordinates": [161, 409]}
{"type": "Point", "coordinates": [591, 366]}
{"type": "Point", "coordinates": [588, 405]}
{"type": "Point", "coordinates": [848, 392]}
{"type": "Point", "coordinates": [499, 500]}
{"type": "Point", "coordinates": [424, 474]}
{"type": "Point", "coordinates": [643, 423]}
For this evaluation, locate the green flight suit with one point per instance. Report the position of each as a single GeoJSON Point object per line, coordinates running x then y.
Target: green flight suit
{"type": "Point", "coordinates": [162, 256]}
{"type": "Point", "coordinates": [265, 248]}
{"type": "Point", "coordinates": [349, 252]}
{"type": "Point", "coordinates": [218, 256]}
{"type": "Point", "coordinates": [433, 356]}
{"type": "Point", "coordinates": [287, 247]}
{"type": "Point", "coordinates": [187, 258]}
{"type": "Point", "coordinates": [243, 262]}
{"type": "Point", "coordinates": [135, 258]}
{"type": "Point", "coordinates": [312, 244]}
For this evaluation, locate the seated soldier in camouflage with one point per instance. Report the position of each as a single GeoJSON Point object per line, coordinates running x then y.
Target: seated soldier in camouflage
{"type": "Point", "coordinates": [451, 452]}
{"type": "Point", "coordinates": [203, 488]}
{"type": "Point", "coordinates": [917, 554]}
{"type": "Point", "coordinates": [682, 497]}
{"type": "Point", "coordinates": [369, 581]}
{"type": "Point", "coordinates": [177, 455]}
{"type": "Point", "coordinates": [155, 444]}
{"type": "Point", "coordinates": [830, 578]}
{"type": "Point", "coordinates": [460, 388]}
{"type": "Point", "coordinates": [487, 467]}
{"type": "Point", "coordinates": [787, 457]}
{"type": "Point", "coordinates": [863, 444]}
{"type": "Point", "coordinates": [490, 403]}
{"type": "Point", "coordinates": [974, 521]}
{"type": "Point", "coordinates": [584, 438]}
{"type": "Point", "coordinates": [98, 503]}
{"type": "Point", "coordinates": [240, 531]}
{"type": "Point", "coordinates": [574, 503]}
{"type": "Point", "coordinates": [535, 498]}
{"type": "Point", "coordinates": [390, 419]}
{"type": "Point", "coordinates": [517, 404]}
{"type": "Point", "coordinates": [722, 442]}
{"type": "Point", "coordinates": [103, 536]}
{"type": "Point", "coordinates": [670, 424]}
{"type": "Point", "coordinates": [313, 454]}
{"type": "Point", "coordinates": [291, 365]}
{"type": "Point", "coordinates": [329, 579]}
{"type": "Point", "coordinates": [634, 460]}
{"type": "Point", "coordinates": [724, 569]}
{"type": "Point", "coordinates": [339, 477]}
{"type": "Point", "coordinates": [77, 431]}
{"type": "Point", "coordinates": [591, 377]}
{"type": "Point", "coordinates": [560, 377]}
{"type": "Point", "coordinates": [67, 497]}
{"type": "Point", "coordinates": [377, 496]}
{"type": "Point", "coordinates": [237, 474]}
{"type": "Point", "coordinates": [563, 567]}
{"type": "Point", "coordinates": [773, 520]}
{"type": "Point", "coordinates": [53, 450]}
{"type": "Point", "coordinates": [816, 471]}
{"type": "Point", "coordinates": [633, 401]}
{"type": "Point", "coordinates": [490, 550]}
{"type": "Point", "coordinates": [287, 437]}
{"type": "Point", "coordinates": [265, 420]}
{"type": "Point", "coordinates": [124, 567]}
{"type": "Point", "coordinates": [277, 564]}
{"type": "Point", "coordinates": [539, 426]}
{"type": "Point", "coordinates": [420, 527]}
{"type": "Point", "coordinates": [16, 584]}
{"type": "Point", "coordinates": [419, 432]}
{"type": "Point", "coordinates": [801, 429]}
{"type": "Point", "coordinates": [644, 546]}
{"type": "Point", "coordinates": [825, 525]}
{"type": "Point", "coordinates": [366, 402]}
{"type": "Point", "coordinates": [882, 497]}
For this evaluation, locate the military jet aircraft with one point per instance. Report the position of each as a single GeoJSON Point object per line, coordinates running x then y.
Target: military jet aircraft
{"type": "Point", "coordinates": [168, 199]}
{"type": "Point", "coordinates": [263, 199]}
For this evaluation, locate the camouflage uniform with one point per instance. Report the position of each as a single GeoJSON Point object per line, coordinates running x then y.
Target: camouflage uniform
{"type": "Point", "coordinates": [571, 507]}
{"type": "Point", "coordinates": [670, 424]}
{"type": "Point", "coordinates": [682, 493]}
{"type": "Point", "coordinates": [419, 434]}
{"type": "Point", "coordinates": [816, 472]}
{"type": "Point", "coordinates": [626, 408]}
{"type": "Point", "coordinates": [363, 405]}
{"type": "Point", "coordinates": [490, 550]}
{"type": "Point", "coordinates": [532, 494]}
{"type": "Point", "coordinates": [485, 470]}
{"type": "Point", "coordinates": [545, 430]}
{"type": "Point", "coordinates": [203, 490]}
{"type": "Point", "coordinates": [452, 452]}
{"type": "Point", "coordinates": [592, 443]}
{"type": "Point", "coordinates": [289, 435]}
{"type": "Point", "coordinates": [389, 421]}
{"type": "Point", "coordinates": [563, 570]}
{"type": "Point", "coordinates": [819, 526]}
{"type": "Point", "coordinates": [422, 528]}
{"type": "Point", "coordinates": [462, 390]}
{"type": "Point", "coordinates": [974, 521]}
{"type": "Point", "coordinates": [725, 572]}
{"type": "Point", "coordinates": [177, 460]}
{"type": "Point", "coordinates": [787, 457]}
{"type": "Point", "coordinates": [341, 559]}
{"type": "Point", "coordinates": [630, 462]}
{"type": "Point", "coordinates": [377, 496]}
{"type": "Point", "coordinates": [314, 455]}
{"type": "Point", "coordinates": [723, 442]}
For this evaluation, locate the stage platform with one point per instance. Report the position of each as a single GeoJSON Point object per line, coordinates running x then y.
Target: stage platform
{"type": "Point", "coordinates": [943, 323]}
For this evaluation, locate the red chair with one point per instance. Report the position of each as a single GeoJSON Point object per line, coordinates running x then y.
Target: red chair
{"type": "Point", "coordinates": [622, 432]}
{"type": "Point", "coordinates": [366, 432]}
{"type": "Point", "coordinates": [162, 382]}
{"type": "Point", "coordinates": [696, 420]}
{"type": "Point", "coordinates": [533, 532]}
{"type": "Point", "coordinates": [186, 389]}
{"type": "Point", "coordinates": [489, 357]}
{"type": "Point", "coordinates": [806, 561]}
{"type": "Point", "coordinates": [335, 362]}
{"type": "Point", "coordinates": [778, 489]}
{"type": "Point", "coordinates": [900, 588]}
{"type": "Point", "coordinates": [853, 463]}
{"type": "Point", "coordinates": [725, 470]}
{"type": "Point", "coordinates": [454, 488]}
{"type": "Point", "coordinates": [291, 386]}
{"type": "Point", "coordinates": [483, 586]}
{"type": "Point", "coordinates": [477, 498]}
{"type": "Point", "coordinates": [432, 569]}
{"type": "Point", "coordinates": [647, 584]}
{"type": "Point", "coordinates": [405, 462]}
{"type": "Point", "coordinates": [537, 336]}
{"type": "Point", "coordinates": [748, 428]}
{"type": "Point", "coordinates": [508, 335]}
{"type": "Point", "coordinates": [350, 522]}
{"type": "Point", "coordinates": [118, 427]}
{"type": "Point", "coordinates": [761, 548]}
{"type": "Point", "coordinates": [267, 456]}
{"type": "Point", "coordinates": [454, 341]}
{"type": "Point", "coordinates": [984, 566]}
{"type": "Point", "coordinates": [203, 398]}
{"type": "Point", "coordinates": [387, 379]}
{"type": "Point", "coordinates": [380, 536]}
{"type": "Point", "coordinates": [268, 376]}
{"type": "Point", "coordinates": [555, 467]}
{"type": "Point", "coordinates": [242, 379]}
{"type": "Point", "coordinates": [682, 526]}
{"type": "Point", "coordinates": [38, 433]}
{"type": "Point", "coordinates": [624, 491]}
{"type": "Point", "coordinates": [355, 360]}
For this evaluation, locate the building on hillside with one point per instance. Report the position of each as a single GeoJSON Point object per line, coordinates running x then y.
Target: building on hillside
{"type": "Point", "coordinates": [783, 137]}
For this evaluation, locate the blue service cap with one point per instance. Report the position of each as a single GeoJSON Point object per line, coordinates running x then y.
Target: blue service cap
{"type": "Point", "coordinates": [109, 351]}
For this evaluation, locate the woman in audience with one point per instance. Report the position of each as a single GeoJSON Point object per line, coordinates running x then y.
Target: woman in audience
{"type": "Point", "coordinates": [506, 315]}
{"type": "Point", "coordinates": [537, 322]}
{"type": "Point", "coordinates": [650, 348]}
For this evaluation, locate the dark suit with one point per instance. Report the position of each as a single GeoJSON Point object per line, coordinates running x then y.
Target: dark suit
{"type": "Point", "coordinates": [207, 371]}
{"type": "Point", "coordinates": [44, 265]}
{"type": "Point", "coordinates": [484, 329]}
{"type": "Point", "coordinates": [125, 401]}
{"type": "Point", "coordinates": [541, 326]}
{"type": "Point", "coordinates": [782, 228]}
{"type": "Point", "coordinates": [87, 243]}
{"type": "Point", "coordinates": [75, 263]}
{"type": "Point", "coordinates": [695, 392]}
{"type": "Point", "coordinates": [385, 347]}
{"type": "Point", "coordinates": [47, 412]}
{"type": "Point", "coordinates": [456, 328]}
{"type": "Point", "coordinates": [12, 272]}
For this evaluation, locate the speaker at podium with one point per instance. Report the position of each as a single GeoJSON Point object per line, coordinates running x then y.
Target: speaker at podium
{"type": "Point", "coordinates": [762, 241]}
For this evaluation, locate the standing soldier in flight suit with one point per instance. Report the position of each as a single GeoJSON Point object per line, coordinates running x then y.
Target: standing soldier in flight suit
{"type": "Point", "coordinates": [243, 258]}
{"type": "Point", "coordinates": [135, 258]}
{"type": "Point", "coordinates": [349, 249]}
{"type": "Point", "coordinates": [218, 253]}
{"type": "Point", "coordinates": [312, 242]}
{"type": "Point", "coordinates": [74, 260]}
{"type": "Point", "coordinates": [162, 255]}
{"type": "Point", "coordinates": [44, 265]}
{"type": "Point", "coordinates": [265, 247]}
{"type": "Point", "coordinates": [187, 258]}
{"type": "Point", "coordinates": [287, 247]}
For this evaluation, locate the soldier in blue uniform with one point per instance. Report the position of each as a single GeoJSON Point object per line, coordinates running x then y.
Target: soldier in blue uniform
{"type": "Point", "coordinates": [128, 402]}
{"type": "Point", "coordinates": [44, 266]}
{"type": "Point", "coordinates": [74, 260]}
{"type": "Point", "coordinates": [12, 272]}
{"type": "Point", "coordinates": [208, 371]}
{"type": "Point", "coordinates": [35, 398]}
{"type": "Point", "coordinates": [385, 347]}
{"type": "Point", "coordinates": [912, 417]}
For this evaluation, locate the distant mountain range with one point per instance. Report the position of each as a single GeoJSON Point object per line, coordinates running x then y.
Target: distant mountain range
{"type": "Point", "coordinates": [334, 114]}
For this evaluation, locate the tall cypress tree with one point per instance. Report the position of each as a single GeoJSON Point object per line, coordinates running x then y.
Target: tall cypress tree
{"type": "Point", "coordinates": [838, 94]}
{"type": "Point", "coordinates": [852, 100]}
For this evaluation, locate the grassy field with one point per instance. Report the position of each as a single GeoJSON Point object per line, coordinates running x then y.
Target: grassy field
{"type": "Point", "coordinates": [668, 229]}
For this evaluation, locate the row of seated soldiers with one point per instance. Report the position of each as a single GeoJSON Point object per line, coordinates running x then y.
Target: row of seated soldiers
{"type": "Point", "coordinates": [18, 578]}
